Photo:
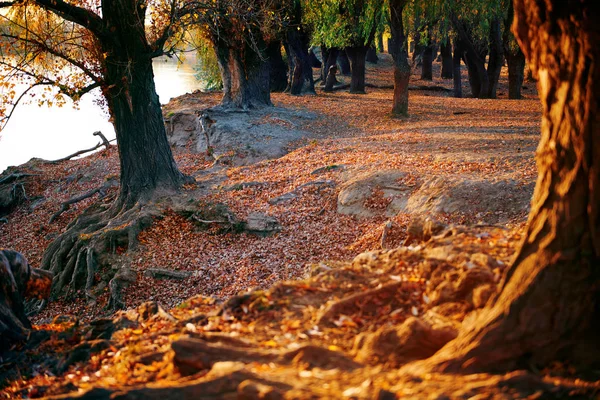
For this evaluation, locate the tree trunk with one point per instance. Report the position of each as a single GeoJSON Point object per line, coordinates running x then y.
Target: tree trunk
{"type": "Point", "coordinates": [357, 56]}
{"type": "Point", "coordinates": [314, 61]}
{"type": "Point", "coordinates": [147, 163]}
{"type": "Point", "coordinates": [446, 54]}
{"type": "Point", "coordinates": [516, 73]}
{"type": "Point", "coordinates": [427, 62]}
{"type": "Point", "coordinates": [398, 50]}
{"type": "Point", "coordinates": [514, 57]}
{"type": "Point", "coordinates": [549, 304]}
{"type": "Point", "coordinates": [300, 71]}
{"type": "Point", "coordinates": [277, 67]}
{"type": "Point", "coordinates": [474, 59]}
{"type": "Point", "coordinates": [372, 55]}
{"type": "Point", "coordinates": [344, 63]}
{"type": "Point", "coordinates": [380, 47]}
{"type": "Point", "coordinates": [330, 56]}
{"type": "Point", "coordinates": [222, 54]}
{"type": "Point", "coordinates": [456, 72]}
{"type": "Point", "coordinates": [496, 58]}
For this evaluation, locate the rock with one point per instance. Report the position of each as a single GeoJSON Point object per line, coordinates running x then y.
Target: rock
{"type": "Point", "coordinates": [160, 273]}
{"type": "Point", "coordinates": [283, 198]}
{"type": "Point", "coordinates": [360, 188]}
{"type": "Point", "coordinates": [244, 185]}
{"type": "Point", "coordinates": [491, 200]}
{"type": "Point", "coordinates": [249, 136]}
{"type": "Point", "coordinates": [262, 224]}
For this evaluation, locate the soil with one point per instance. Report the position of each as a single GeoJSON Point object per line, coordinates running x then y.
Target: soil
{"type": "Point", "coordinates": [313, 325]}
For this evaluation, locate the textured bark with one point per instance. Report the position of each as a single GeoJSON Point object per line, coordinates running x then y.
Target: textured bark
{"type": "Point", "coordinates": [314, 61]}
{"type": "Point", "coordinates": [456, 70]}
{"type": "Point", "coordinates": [446, 54]}
{"type": "Point", "coordinates": [398, 50]}
{"type": "Point", "coordinates": [357, 56]}
{"type": "Point", "coordinates": [550, 297]}
{"type": "Point", "coordinates": [496, 59]}
{"type": "Point", "coordinates": [147, 163]}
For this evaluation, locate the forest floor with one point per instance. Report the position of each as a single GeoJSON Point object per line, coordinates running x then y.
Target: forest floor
{"type": "Point", "coordinates": [311, 324]}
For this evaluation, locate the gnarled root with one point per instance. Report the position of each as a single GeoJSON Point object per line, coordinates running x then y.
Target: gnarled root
{"type": "Point", "coordinates": [91, 243]}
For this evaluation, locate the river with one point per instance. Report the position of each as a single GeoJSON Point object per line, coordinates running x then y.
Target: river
{"type": "Point", "coordinates": [53, 132]}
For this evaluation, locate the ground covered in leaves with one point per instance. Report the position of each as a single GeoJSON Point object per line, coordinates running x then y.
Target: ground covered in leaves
{"type": "Point", "coordinates": [308, 324]}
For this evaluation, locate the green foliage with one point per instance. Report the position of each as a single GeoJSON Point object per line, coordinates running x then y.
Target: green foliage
{"type": "Point", "coordinates": [207, 68]}
{"type": "Point", "coordinates": [342, 23]}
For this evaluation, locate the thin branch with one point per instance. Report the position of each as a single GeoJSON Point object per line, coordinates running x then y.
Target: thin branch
{"type": "Point", "coordinates": [75, 14]}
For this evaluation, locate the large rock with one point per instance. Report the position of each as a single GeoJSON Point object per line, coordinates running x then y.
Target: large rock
{"type": "Point", "coordinates": [246, 136]}
{"type": "Point", "coordinates": [384, 193]}
{"type": "Point", "coordinates": [355, 193]}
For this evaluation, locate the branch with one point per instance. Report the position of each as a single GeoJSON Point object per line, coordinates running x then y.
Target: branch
{"type": "Point", "coordinates": [75, 14]}
{"type": "Point", "coordinates": [67, 204]}
{"type": "Point", "coordinates": [80, 152]}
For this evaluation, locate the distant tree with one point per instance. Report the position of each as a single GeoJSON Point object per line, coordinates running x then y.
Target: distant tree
{"type": "Point", "coordinates": [72, 48]}
{"type": "Point", "coordinates": [399, 51]}
{"type": "Point", "coordinates": [345, 24]}
{"type": "Point", "coordinates": [514, 56]}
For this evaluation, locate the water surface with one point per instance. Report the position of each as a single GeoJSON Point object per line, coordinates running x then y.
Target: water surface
{"type": "Point", "coordinates": [52, 133]}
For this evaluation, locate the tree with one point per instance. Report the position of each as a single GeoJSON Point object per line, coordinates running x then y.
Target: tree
{"type": "Point", "coordinates": [549, 300]}
{"type": "Point", "coordinates": [514, 56]}
{"type": "Point", "coordinates": [345, 24]}
{"type": "Point", "coordinates": [399, 51]}
{"type": "Point", "coordinates": [76, 47]}
{"type": "Point", "coordinates": [242, 32]}
{"type": "Point", "coordinates": [296, 42]}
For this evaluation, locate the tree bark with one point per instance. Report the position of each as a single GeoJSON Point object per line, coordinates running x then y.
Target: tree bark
{"type": "Point", "coordinates": [496, 59]}
{"type": "Point", "coordinates": [147, 163]}
{"type": "Point", "coordinates": [549, 303]}
{"type": "Point", "coordinates": [447, 66]}
{"type": "Point", "coordinates": [277, 67]}
{"type": "Point", "coordinates": [516, 73]}
{"type": "Point", "coordinates": [514, 57]}
{"type": "Point", "coordinates": [398, 50]}
{"type": "Point", "coordinates": [344, 63]}
{"type": "Point", "coordinates": [330, 56]}
{"type": "Point", "coordinates": [372, 55]}
{"type": "Point", "coordinates": [357, 56]}
{"type": "Point", "coordinates": [427, 63]}
{"type": "Point", "coordinates": [474, 59]}
{"type": "Point", "coordinates": [300, 71]}
{"type": "Point", "coordinates": [456, 70]}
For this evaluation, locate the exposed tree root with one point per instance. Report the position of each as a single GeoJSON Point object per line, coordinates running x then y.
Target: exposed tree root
{"type": "Point", "coordinates": [90, 244]}
{"type": "Point", "coordinates": [104, 142]}
{"type": "Point", "coordinates": [76, 199]}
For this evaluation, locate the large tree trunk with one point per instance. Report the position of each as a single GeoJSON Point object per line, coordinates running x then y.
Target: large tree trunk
{"type": "Point", "coordinates": [222, 54]}
{"type": "Point", "coordinates": [147, 163]}
{"type": "Point", "coordinates": [357, 56]}
{"type": "Point", "coordinates": [496, 59]}
{"type": "Point", "coordinates": [446, 53]}
{"type": "Point", "coordinates": [398, 50]}
{"type": "Point", "coordinates": [549, 304]}
{"type": "Point", "coordinates": [456, 72]}
{"type": "Point", "coordinates": [372, 55]}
